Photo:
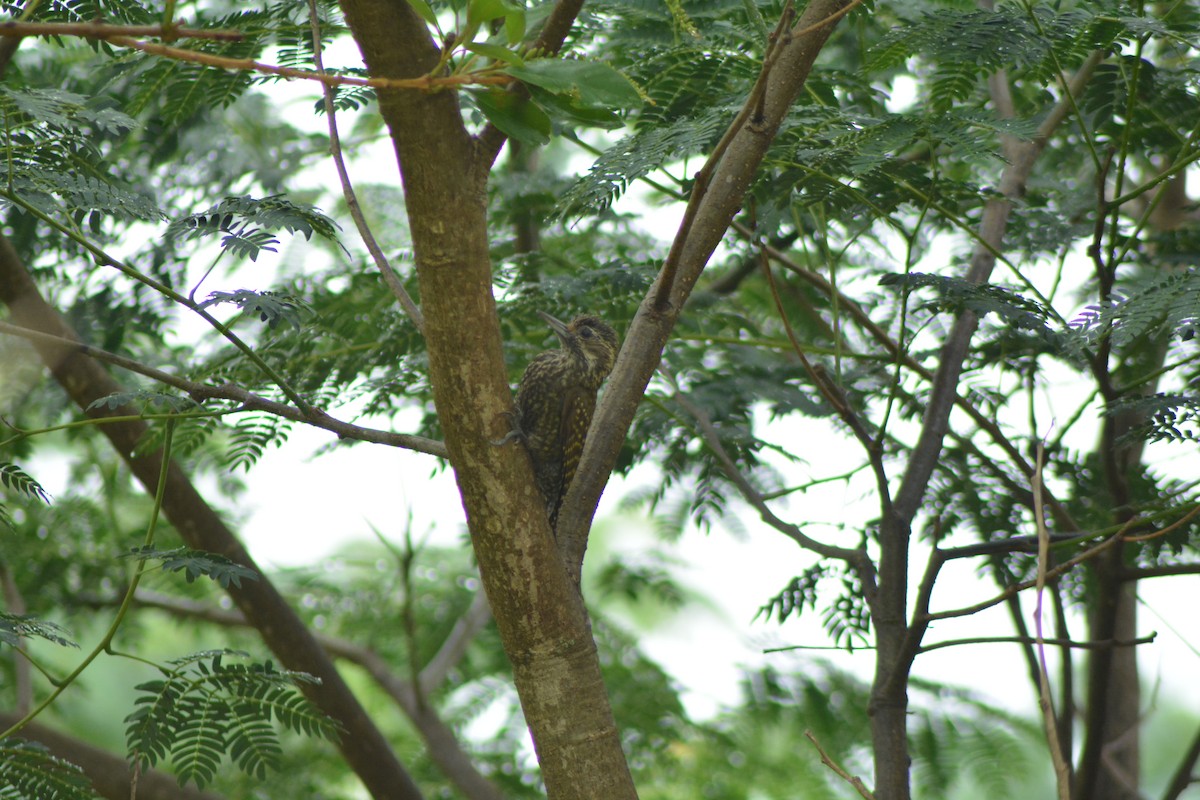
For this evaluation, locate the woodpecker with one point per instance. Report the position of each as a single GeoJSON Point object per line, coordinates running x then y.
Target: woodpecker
{"type": "Point", "coordinates": [557, 398]}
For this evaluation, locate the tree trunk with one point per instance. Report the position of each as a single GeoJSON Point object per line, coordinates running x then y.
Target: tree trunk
{"type": "Point", "coordinates": [538, 610]}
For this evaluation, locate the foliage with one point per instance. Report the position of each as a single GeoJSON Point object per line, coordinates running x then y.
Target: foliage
{"type": "Point", "coordinates": [13, 628]}
{"type": "Point", "coordinates": [204, 709]}
{"type": "Point", "coordinates": [194, 564]}
{"type": "Point", "coordinates": [124, 172]}
{"type": "Point", "coordinates": [27, 770]}
{"type": "Point", "coordinates": [15, 479]}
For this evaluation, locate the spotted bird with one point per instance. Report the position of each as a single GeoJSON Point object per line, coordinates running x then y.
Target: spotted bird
{"type": "Point", "coordinates": [556, 400]}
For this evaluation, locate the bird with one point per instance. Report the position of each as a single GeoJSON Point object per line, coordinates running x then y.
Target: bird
{"type": "Point", "coordinates": [556, 399]}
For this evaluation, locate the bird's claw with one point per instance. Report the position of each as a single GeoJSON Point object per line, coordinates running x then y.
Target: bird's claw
{"type": "Point", "coordinates": [516, 434]}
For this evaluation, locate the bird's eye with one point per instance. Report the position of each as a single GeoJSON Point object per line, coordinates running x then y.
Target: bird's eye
{"type": "Point", "coordinates": [586, 333]}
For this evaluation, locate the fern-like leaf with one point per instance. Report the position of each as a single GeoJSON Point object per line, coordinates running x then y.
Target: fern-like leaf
{"type": "Point", "coordinates": [18, 480]}
{"type": "Point", "coordinates": [1167, 417]}
{"type": "Point", "coordinates": [1172, 303]}
{"type": "Point", "coordinates": [195, 564]}
{"type": "Point", "coordinates": [29, 772]}
{"type": "Point", "coordinates": [638, 155]}
{"type": "Point", "coordinates": [270, 307]}
{"type": "Point", "coordinates": [957, 295]}
{"type": "Point", "coordinates": [251, 437]}
{"type": "Point", "coordinates": [801, 591]}
{"type": "Point", "coordinates": [14, 627]}
{"type": "Point", "coordinates": [205, 709]}
{"type": "Point", "coordinates": [246, 224]}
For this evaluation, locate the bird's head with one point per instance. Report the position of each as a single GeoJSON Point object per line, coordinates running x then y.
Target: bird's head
{"type": "Point", "coordinates": [590, 339]}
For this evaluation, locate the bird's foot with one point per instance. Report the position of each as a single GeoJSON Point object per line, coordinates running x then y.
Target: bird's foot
{"type": "Point", "coordinates": [516, 434]}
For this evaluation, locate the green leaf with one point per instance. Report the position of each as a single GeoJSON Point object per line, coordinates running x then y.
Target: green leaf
{"type": "Point", "coordinates": [518, 117]}
{"type": "Point", "coordinates": [195, 563]}
{"type": "Point", "coordinates": [423, 11]}
{"type": "Point", "coordinates": [514, 26]}
{"type": "Point", "coordinates": [14, 478]}
{"type": "Point", "coordinates": [480, 11]}
{"type": "Point", "coordinates": [593, 83]}
{"type": "Point", "coordinates": [15, 627]}
{"type": "Point", "coordinates": [270, 307]}
{"type": "Point", "coordinates": [495, 51]}
{"type": "Point", "coordinates": [569, 109]}
{"type": "Point", "coordinates": [27, 769]}
{"type": "Point", "coordinates": [205, 709]}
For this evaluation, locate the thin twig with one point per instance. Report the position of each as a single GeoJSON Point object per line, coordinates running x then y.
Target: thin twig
{"type": "Point", "coordinates": [863, 319]}
{"type": "Point", "coordinates": [854, 781]}
{"type": "Point", "coordinates": [857, 559]}
{"type": "Point", "coordinates": [101, 30]}
{"type": "Point", "coordinates": [833, 394]}
{"type": "Point", "coordinates": [1062, 771]}
{"type": "Point", "coordinates": [422, 83]}
{"type": "Point", "coordinates": [335, 150]}
{"type": "Point", "coordinates": [1061, 569]}
{"type": "Point", "coordinates": [248, 400]}
{"type": "Point", "coordinates": [1057, 642]}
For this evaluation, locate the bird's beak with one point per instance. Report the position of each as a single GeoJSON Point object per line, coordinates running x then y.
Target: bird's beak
{"type": "Point", "coordinates": [559, 328]}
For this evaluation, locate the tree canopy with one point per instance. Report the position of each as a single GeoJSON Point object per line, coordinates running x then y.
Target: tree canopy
{"type": "Point", "coordinates": [955, 238]}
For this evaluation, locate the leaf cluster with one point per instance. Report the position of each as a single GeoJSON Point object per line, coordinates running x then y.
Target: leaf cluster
{"type": "Point", "coordinates": [29, 772]}
{"type": "Point", "coordinates": [204, 709]}
{"type": "Point", "coordinates": [195, 564]}
{"type": "Point", "coordinates": [247, 224]}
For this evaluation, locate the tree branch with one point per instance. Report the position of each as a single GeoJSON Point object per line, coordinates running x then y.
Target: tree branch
{"type": "Point", "coordinates": [652, 325]}
{"type": "Point", "coordinates": [1054, 642]}
{"type": "Point", "coordinates": [1022, 157]}
{"type": "Point", "coordinates": [101, 30]}
{"type": "Point", "coordinates": [246, 399]}
{"type": "Point", "coordinates": [853, 780]}
{"type": "Point", "coordinates": [1184, 773]}
{"type": "Point", "coordinates": [1020, 587]}
{"type": "Point", "coordinates": [538, 610]}
{"type": "Point", "coordinates": [857, 559]}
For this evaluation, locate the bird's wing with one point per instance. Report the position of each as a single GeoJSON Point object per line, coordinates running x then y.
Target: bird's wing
{"type": "Point", "coordinates": [578, 406]}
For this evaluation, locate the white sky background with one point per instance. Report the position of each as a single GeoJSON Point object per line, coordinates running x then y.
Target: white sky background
{"type": "Point", "coordinates": [302, 508]}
